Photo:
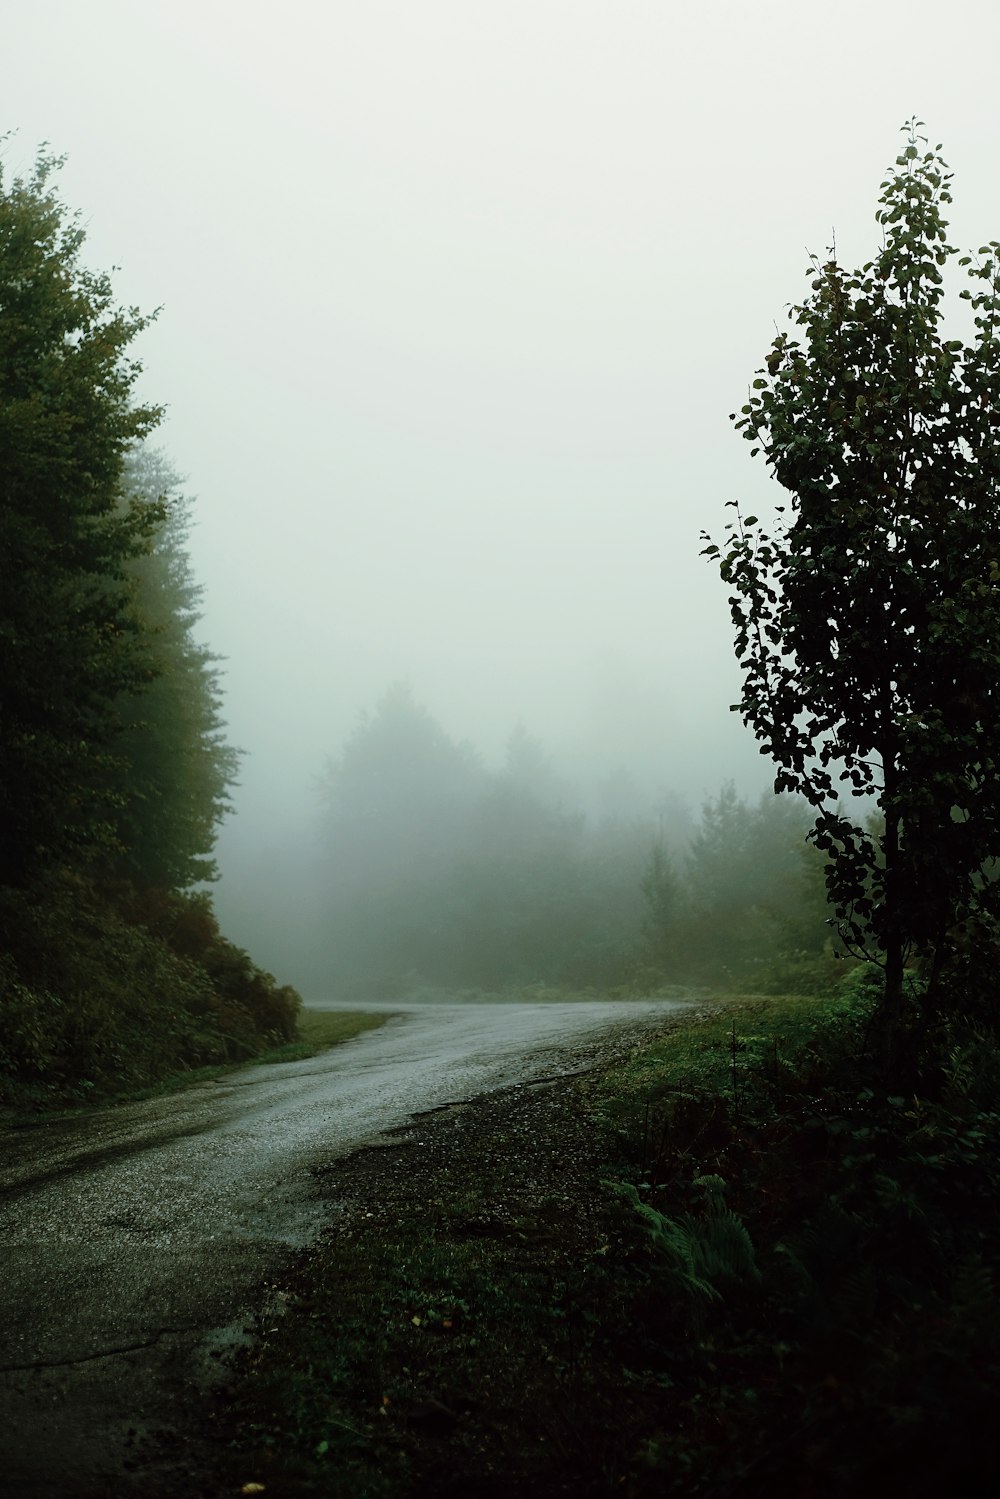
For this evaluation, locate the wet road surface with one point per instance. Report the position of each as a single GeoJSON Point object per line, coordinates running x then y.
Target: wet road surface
{"type": "Point", "coordinates": [136, 1240]}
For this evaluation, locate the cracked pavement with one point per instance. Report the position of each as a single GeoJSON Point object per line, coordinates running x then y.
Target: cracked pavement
{"type": "Point", "coordinates": [139, 1241]}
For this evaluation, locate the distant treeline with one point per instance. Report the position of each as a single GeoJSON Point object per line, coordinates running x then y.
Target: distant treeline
{"type": "Point", "coordinates": [114, 767]}
{"type": "Point", "coordinates": [439, 872]}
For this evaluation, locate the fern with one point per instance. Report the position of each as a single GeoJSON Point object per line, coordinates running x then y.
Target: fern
{"type": "Point", "coordinates": [673, 1243]}
{"type": "Point", "coordinates": [726, 1249]}
{"type": "Point", "coordinates": [699, 1252]}
{"type": "Point", "coordinates": [971, 1074]}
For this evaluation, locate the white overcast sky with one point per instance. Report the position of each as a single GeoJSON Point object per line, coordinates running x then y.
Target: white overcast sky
{"type": "Point", "coordinates": [456, 298]}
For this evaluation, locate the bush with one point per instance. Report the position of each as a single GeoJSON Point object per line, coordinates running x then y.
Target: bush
{"type": "Point", "coordinates": [865, 1356]}
{"type": "Point", "coordinates": [249, 1003]}
{"type": "Point", "coordinates": [96, 997]}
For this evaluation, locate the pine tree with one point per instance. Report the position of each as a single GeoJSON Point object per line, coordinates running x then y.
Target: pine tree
{"type": "Point", "coordinates": [71, 642]}
{"type": "Point", "coordinates": [179, 766]}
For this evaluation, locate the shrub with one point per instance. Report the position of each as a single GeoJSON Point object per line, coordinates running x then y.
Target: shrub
{"type": "Point", "coordinates": [98, 997]}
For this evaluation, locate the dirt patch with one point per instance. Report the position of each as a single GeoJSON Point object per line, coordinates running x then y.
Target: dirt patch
{"type": "Point", "coordinates": [465, 1324]}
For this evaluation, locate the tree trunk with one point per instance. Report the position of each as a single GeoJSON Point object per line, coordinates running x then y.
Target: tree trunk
{"type": "Point", "coordinates": [892, 1000]}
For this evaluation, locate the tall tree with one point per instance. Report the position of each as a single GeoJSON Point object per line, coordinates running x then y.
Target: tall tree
{"type": "Point", "coordinates": [868, 620]}
{"type": "Point", "coordinates": [745, 891]}
{"type": "Point", "coordinates": [71, 642]}
{"type": "Point", "coordinates": [398, 801]}
{"type": "Point", "coordinates": [520, 897]}
{"type": "Point", "coordinates": [399, 787]}
{"type": "Point", "coordinates": [178, 765]}
{"type": "Point", "coordinates": [661, 892]}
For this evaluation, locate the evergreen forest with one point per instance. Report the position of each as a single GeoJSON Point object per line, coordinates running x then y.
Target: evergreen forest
{"type": "Point", "coordinates": [758, 1257]}
{"type": "Point", "coordinates": [774, 1224]}
{"type": "Point", "coordinates": [115, 769]}
{"type": "Point", "coordinates": [439, 875]}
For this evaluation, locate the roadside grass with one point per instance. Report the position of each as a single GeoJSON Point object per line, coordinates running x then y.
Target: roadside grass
{"type": "Point", "coordinates": [317, 1030]}
{"type": "Point", "coordinates": [732, 1266]}
{"type": "Point", "coordinates": [824, 1252]}
{"type": "Point", "coordinates": [716, 1054]}
{"type": "Point", "coordinates": [459, 1327]}
{"type": "Point", "coordinates": [543, 994]}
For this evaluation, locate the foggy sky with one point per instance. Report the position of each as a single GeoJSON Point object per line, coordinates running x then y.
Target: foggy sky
{"type": "Point", "coordinates": [456, 299]}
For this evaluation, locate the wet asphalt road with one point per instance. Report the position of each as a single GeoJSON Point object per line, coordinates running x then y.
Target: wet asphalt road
{"type": "Point", "coordinates": [136, 1241]}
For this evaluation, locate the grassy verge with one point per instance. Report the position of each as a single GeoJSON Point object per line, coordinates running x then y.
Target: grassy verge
{"type": "Point", "coordinates": [823, 1255]}
{"type": "Point", "coordinates": [447, 1334]}
{"type": "Point", "coordinates": [537, 994]}
{"type": "Point", "coordinates": [319, 1029]}
{"type": "Point", "coordinates": [316, 1030]}
{"type": "Point", "coordinates": [733, 1265]}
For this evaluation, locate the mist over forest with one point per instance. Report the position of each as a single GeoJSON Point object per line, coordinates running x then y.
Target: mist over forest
{"type": "Point", "coordinates": [500, 748]}
{"type": "Point", "coordinates": [431, 870]}
{"type": "Point", "coordinates": [451, 329]}
{"type": "Point", "coordinates": [455, 303]}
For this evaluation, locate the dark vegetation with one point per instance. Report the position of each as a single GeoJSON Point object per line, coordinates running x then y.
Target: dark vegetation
{"type": "Point", "coordinates": [733, 1265]}
{"type": "Point", "coordinates": [760, 1258]}
{"type": "Point", "coordinates": [868, 619]}
{"type": "Point", "coordinates": [114, 768]}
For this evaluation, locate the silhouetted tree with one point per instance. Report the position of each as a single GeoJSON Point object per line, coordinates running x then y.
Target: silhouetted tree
{"type": "Point", "coordinates": [745, 893]}
{"type": "Point", "coordinates": [522, 899]}
{"type": "Point", "coordinates": [661, 890]}
{"type": "Point", "coordinates": [178, 764]}
{"type": "Point", "coordinates": [437, 870]}
{"type": "Point", "coordinates": [71, 642]}
{"type": "Point", "coordinates": [398, 801]}
{"type": "Point", "coordinates": [113, 771]}
{"type": "Point", "coordinates": [868, 623]}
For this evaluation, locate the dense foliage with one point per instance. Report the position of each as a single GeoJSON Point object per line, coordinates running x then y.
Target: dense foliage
{"type": "Point", "coordinates": [817, 1305]}
{"type": "Point", "coordinates": [180, 767]}
{"type": "Point", "coordinates": [868, 624]}
{"type": "Point", "coordinates": [114, 769]}
{"type": "Point", "coordinates": [70, 638]}
{"type": "Point", "coordinates": [785, 1284]}
{"type": "Point", "coordinates": [743, 903]}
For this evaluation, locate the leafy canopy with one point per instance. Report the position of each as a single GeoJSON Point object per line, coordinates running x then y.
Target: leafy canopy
{"type": "Point", "coordinates": [867, 619]}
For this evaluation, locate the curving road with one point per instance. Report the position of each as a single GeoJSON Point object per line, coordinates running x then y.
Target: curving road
{"type": "Point", "coordinates": [137, 1240]}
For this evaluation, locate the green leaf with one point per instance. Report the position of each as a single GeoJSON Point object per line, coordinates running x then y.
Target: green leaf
{"type": "Point", "coordinates": [871, 608]}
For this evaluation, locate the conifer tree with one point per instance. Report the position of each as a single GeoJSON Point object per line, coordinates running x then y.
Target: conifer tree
{"type": "Point", "coordinates": [178, 766]}
{"type": "Point", "coordinates": [71, 642]}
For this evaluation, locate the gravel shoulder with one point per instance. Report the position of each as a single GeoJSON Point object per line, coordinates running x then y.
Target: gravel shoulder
{"type": "Point", "coordinates": [448, 1332]}
{"type": "Point", "coordinates": [140, 1250]}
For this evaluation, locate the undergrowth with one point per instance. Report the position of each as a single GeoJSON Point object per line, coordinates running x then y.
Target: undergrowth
{"type": "Point", "coordinates": [102, 994]}
{"type": "Point", "coordinates": [827, 1316]}
{"type": "Point", "coordinates": [316, 1031]}
{"type": "Point", "coordinates": [736, 1266]}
